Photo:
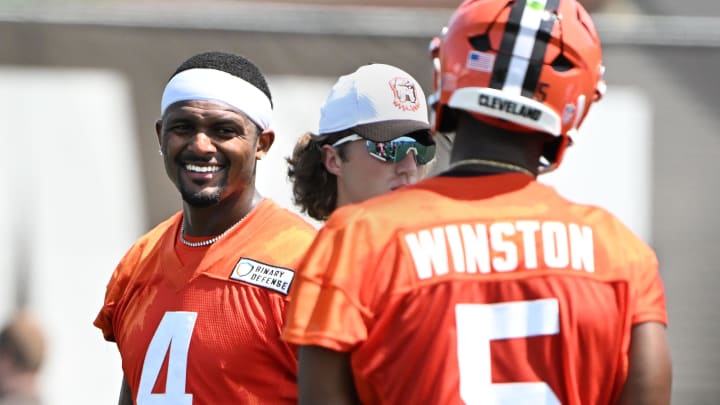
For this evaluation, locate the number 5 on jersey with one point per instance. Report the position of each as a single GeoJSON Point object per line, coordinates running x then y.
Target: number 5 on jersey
{"type": "Point", "coordinates": [477, 325]}
{"type": "Point", "coordinates": [171, 338]}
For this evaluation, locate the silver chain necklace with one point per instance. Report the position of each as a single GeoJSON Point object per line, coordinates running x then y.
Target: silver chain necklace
{"type": "Point", "coordinates": [491, 163]}
{"type": "Point", "coordinates": [209, 241]}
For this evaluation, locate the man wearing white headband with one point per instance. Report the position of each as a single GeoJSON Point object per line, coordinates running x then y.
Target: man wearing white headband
{"type": "Point", "coordinates": [197, 304]}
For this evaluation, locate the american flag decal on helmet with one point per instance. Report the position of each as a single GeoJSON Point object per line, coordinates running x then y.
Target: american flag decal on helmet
{"type": "Point", "coordinates": [480, 61]}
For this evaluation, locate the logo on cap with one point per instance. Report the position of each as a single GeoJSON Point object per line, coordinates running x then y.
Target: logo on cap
{"type": "Point", "coordinates": [405, 94]}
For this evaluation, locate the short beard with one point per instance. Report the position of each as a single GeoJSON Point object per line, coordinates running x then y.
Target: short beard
{"type": "Point", "coordinates": [201, 199]}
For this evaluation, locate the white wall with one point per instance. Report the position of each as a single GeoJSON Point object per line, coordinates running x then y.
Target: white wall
{"type": "Point", "coordinates": [70, 158]}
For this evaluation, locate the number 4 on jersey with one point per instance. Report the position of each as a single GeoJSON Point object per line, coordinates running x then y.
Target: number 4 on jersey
{"type": "Point", "coordinates": [173, 336]}
{"type": "Point", "coordinates": [477, 325]}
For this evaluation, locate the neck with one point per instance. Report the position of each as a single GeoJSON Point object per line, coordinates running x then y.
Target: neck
{"type": "Point", "coordinates": [483, 148]}
{"type": "Point", "coordinates": [216, 219]}
{"type": "Point", "coordinates": [342, 196]}
{"type": "Point", "coordinates": [487, 166]}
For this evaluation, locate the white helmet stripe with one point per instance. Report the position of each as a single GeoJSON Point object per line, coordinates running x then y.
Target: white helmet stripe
{"type": "Point", "coordinates": [532, 17]}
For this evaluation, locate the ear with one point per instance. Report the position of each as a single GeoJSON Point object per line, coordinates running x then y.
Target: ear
{"type": "Point", "coordinates": [158, 131]}
{"type": "Point", "coordinates": [263, 144]}
{"type": "Point", "coordinates": [331, 159]}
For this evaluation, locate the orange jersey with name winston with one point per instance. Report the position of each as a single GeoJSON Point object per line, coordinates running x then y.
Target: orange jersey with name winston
{"type": "Point", "coordinates": [204, 327]}
{"type": "Point", "coordinates": [488, 289]}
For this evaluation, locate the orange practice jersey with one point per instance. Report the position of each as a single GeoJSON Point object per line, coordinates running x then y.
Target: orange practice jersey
{"type": "Point", "coordinates": [208, 331]}
{"type": "Point", "coordinates": [477, 290]}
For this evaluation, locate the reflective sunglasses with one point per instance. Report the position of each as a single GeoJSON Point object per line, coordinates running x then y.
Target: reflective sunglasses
{"type": "Point", "coordinates": [395, 150]}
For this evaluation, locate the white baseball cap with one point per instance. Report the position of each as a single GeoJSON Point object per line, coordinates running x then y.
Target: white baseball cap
{"type": "Point", "coordinates": [378, 102]}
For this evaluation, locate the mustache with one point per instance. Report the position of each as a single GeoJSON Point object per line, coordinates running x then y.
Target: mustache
{"type": "Point", "coordinates": [195, 158]}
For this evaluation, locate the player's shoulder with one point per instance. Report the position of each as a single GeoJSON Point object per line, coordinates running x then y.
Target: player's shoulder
{"type": "Point", "coordinates": [147, 242]}
{"type": "Point", "coordinates": [282, 218]}
{"type": "Point", "coordinates": [382, 215]}
{"type": "Point", "coordinates": [613, 233]}
{"type": "Point", "coordinates": [139, 253]}
{"type": "Point", "coordinates": [281, 226]}
{"type": "Point", "coordinates": [411, 206]}
{"type": "Point", "coordinates": [600, 218]}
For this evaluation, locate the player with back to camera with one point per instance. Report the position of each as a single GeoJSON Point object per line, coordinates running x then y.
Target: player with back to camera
{"type": "Point", "coordinates": [197, 304]}
{"type": "Point", "coordinates": [483, 285]}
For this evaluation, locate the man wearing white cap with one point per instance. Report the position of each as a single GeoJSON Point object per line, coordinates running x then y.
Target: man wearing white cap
{"type": "Point", "coordinates": [197, 304]}
{"type": "Point", "coordinates": [373, 137]}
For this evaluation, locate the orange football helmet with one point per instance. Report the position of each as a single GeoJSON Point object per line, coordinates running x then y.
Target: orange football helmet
{"type": "Point", "coordinates": [523, 65]}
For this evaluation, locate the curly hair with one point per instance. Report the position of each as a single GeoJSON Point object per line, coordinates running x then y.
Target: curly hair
{"type": "Point", "coordinates": [314, 188]}
{"type": "Point", "coordinates": [236, 65]}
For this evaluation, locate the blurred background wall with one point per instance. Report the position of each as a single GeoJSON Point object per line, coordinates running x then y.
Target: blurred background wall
{"type": "Point", "coordinates": [80, 84]}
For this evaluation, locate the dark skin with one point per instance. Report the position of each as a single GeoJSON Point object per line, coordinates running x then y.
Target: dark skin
{"type": "Point", "coordinates": [325, 377]}
{"type": "Point", "coordinates": [650, 374]}
{"type": "Point", "coordinates": [521, 150]}
{"type": "Point", "coordinates": [125, 394]}
{"type": "Point", "coordinates": [210, 151]}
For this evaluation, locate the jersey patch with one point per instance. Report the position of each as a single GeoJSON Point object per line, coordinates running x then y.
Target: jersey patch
{"type": "Point", "coordinates": [263, 275]}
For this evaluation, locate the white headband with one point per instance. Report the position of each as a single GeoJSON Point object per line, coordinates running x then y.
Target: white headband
{"type": "Point", "coordinates": [211, 84]}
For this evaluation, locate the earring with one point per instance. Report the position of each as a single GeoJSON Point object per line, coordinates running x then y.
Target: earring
{"type": "Point", "coordinates": [160, 152]}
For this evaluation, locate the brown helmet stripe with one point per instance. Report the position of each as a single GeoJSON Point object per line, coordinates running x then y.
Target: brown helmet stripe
{"type": "Point", "coordinates": [537, 58]}
{"type": "Point", "coordinates": [505, 53]}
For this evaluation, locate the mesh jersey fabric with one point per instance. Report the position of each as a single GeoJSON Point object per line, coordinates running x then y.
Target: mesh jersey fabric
{"type": "Point", "coordinates": [235, 354]}
{"type": "Point", "coordinates": [464, 274]}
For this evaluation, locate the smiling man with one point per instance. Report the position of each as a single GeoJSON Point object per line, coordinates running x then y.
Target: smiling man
{"type": "Point", "coordinates": [196, 305]}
